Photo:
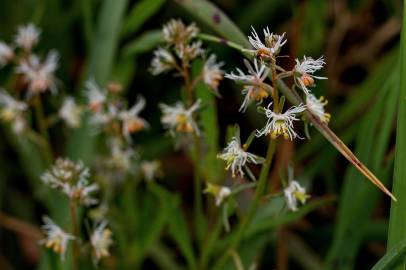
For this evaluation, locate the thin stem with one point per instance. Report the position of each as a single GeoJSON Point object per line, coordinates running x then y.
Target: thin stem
{"type": "Point", "coordinates": [75, 233]}
{"type": "Point", "coordinates": [228, 43]}
{"type": "Point", "coordinates": [40, 117]}
{"type": "Point", "coordinates": [261, 188]}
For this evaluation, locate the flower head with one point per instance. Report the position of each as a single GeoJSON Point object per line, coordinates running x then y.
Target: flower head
{"type": "Point", "coordinates": [70, 112]}
{"type": "Point", "coordinates": [188, 52]}
{"type": "Point", "coordinates": [56, 238]}
{"type": "Point", "coordinates": [27, 36]}
{"type": "Point", "coordinates": [220, 193]}
{"type": "Point", "coordinates": [316, 106]}
{"type": "Point", "coordinates": [131, 121]}
{"type": "Point", "coordinates": [151, 169]}
{"type": "Point", "coordinates": [162, 62]}
{"type": "Point", "coordinates": [40, 76]}
{"type": "Point", "coordinates": [254, 87]}
{"type": "Point", "coordinates": [270, 47]}
{"type": "Point", "coordinates": [179, 119]}
{"type": "Point", "coordinates": [6, 54]}
{"type": "Point", "coordinates": [96, 96]}
{"type": "Point", "coordinates": [281, 123]}
{"type": "Point", "coordinates": [175, 32]}
{"type": "Point", "coordinates": [101, 240]}
{"type": "Point", "coordinates": [212, 73]}
{"type": "Point", "coordinates": [236, 157]}
{"type": "Point", "coordinates": [294, 193]}
{"type": "Point", "coordinates": [71, 178]}
{"type": "Point", "coordinates": [304, 72]}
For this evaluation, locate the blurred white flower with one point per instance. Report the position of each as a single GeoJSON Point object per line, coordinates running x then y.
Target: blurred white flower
{"type": "Point", "coordinates": [294, 193]}
{"type": "Point", "coordinates": [71, 178]}
{"type": "Point", "coordinates": [10, 107]}
{"type": "Point", "coordinates": [179, 119]}
{"type": "Point", "coordinates": [55, 238]}
{"type": "Point", "coordinates": [254, 87]}
{"type": "Point", "coordinates": [220, 193]}
{"type": "Point", "coordinates": [304, 70]}
{"type": "Point", "coordinates": [151, 169]}
{"type": "Point", "coordinates": [281, 123]}
{"type": "Point", "coordinates": [6, 54]}
{"type": "Point", "coordinates": [40, 76]}
{"type": "Point", "coordinates": [188, 52]}
{"type": "Point", "coordinates": [163, 61]}
{"type": "Point", "coordinates": [316, 106]}
{"type": "Point", "coordinates": [120, 157]}
{"type": "Point", "coordinates": [212, 73]}
{"type": "Point", "coordinates": [96, 96]}
{"type": "Point", "coordinates": [236, 157]}
{"type": "Point", "coordinates": [175, 32]}
{"type": "Point", "coordinates": [81, 191]}
{"type": "Point", "coordinates": [131, 121]}
{"type": "Point", "coordinates": [101, 240]}
{"type": "Point", "coordinates": [27, 36]}
{"type": "Point", "coordinates": [270, 47]}
{"type": "Point", "coordinates": [70, 112]}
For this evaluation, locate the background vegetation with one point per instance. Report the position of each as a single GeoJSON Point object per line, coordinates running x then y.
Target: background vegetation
{"type": "Point", "coordinates": [346, 223]}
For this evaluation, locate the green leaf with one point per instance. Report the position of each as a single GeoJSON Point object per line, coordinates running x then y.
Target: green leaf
{"type": "Point", "coordinates": [142, 11]}
{"type": "Point", "coordinates": [392, 257]}
{"type": "Point", "coordinates": [178, 228]}
{"type": "Point", "coordinates": [213, 17]}
{"type": "Point", "coordinates": [81, 144]}
{"type": "Point", "coordinates": [144, 43]}
{"type": "Point", "coordinates": [397, 222]}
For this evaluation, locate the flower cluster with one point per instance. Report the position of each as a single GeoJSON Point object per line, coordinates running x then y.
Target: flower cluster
{"type": "Point", "coordinates": [109, 113]}
{"type": "Point", "coordinates": [72, 179]}
{"type": "Point", "coordinates": [179, 51]}
{"type": "Point", "coordinates": [55, 238]}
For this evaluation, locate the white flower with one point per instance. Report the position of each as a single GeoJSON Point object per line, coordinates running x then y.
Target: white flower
{"type": "Point", "coordinates": [179, 119]}
{"type": "Point", "coordinates": [95, 95]}
{"type": "Point", "coordinates": [270, 47]}
{"type": "Point", "coordinates": [6, 54]}
{"type": "Point", "coordinates": [176, 33]}
{"type": "Point", "coordinates": [189, 51]}
{"type": "Point", "coordinates": [27, 36]}
{"type": "Point", "coordinates": [219, 192]}
{"type": "Point", "coordinates": [236, 157]}
{"type": "Point", "coordinates": [304, 70]}
{"type": "Point", "coordinates": [70, 112]}
{"type": "Point", "coordinates": [81, 192]}
{"type": "Point", "coordinates": [101, 118]}
{"type": "Point", "coordinates": [281, 123]}
{"type": "Point", "coordinates": [56, 238]}
{"type": "Point", "coordinates": [212, 73]}
{"type": "Point", "coordinates": [163, 61]}
{"type": "Point", "coordinates": [101, 240]}
{"type": "Point", "coordinates": [151, 169]}
{"type": "Point", "coordinates": [11, 108]}
{"type": "Point", "coordinates": [294, 193]}
{"type": "Point", "coordinates": [316, 106]}
{"type": "Point", "coordinates": [71, 178]}
{"type": "Point", "coordinates": [40, 76]}
{"type": "Point", "coordinates": [120, 157]}
{"type": "Point", "coordinates": [131, 121]}
{"type": "Point", "coordinates": [254, 86]}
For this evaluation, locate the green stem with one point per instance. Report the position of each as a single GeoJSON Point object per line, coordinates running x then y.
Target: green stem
{"type": "Point", "coordinates": [75, 233]}
{"type": "Point", "coordinates": [39, 115]}
{"type": "Point", "coordinates": [261, 188]}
